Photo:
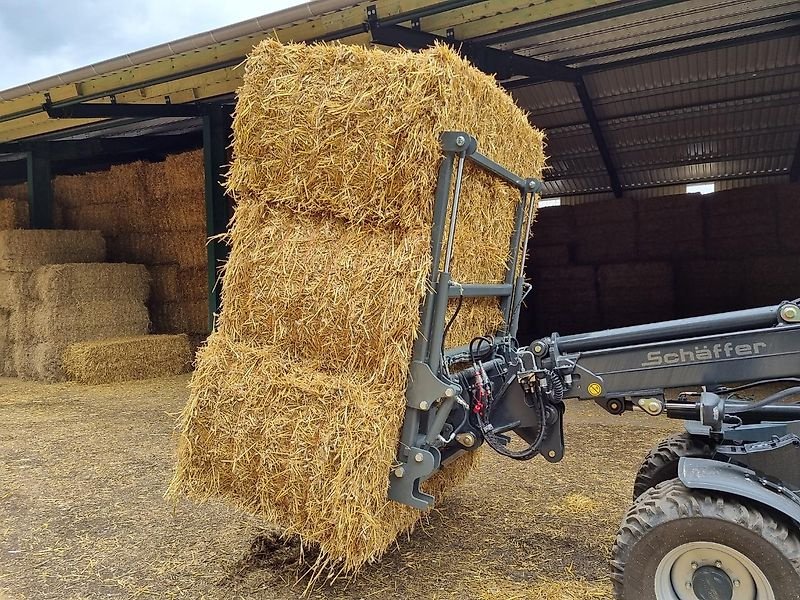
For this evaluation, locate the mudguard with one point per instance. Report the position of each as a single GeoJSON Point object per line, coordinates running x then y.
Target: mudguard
{"type": "Point", "coordinates": [713, 475]}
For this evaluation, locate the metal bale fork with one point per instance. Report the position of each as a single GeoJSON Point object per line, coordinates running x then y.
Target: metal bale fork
{"type": "Point", "coordinates": [432, 394]}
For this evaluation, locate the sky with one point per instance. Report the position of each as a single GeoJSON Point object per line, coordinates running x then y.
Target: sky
{"type": "Point", "coordinates": [40, 38]}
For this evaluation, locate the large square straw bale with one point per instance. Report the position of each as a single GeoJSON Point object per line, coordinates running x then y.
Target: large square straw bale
{"type": "Point", "coordinates": [127, 358]}
{"type": "Point", "coordinates": [24, 250]}
{"type": "Point", "coordinates": [298, 397]}
{"type": "Point", "coordinates": [77, 283]}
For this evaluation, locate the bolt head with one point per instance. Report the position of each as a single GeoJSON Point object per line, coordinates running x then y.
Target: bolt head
{"type": "Point", "coordinates": [399, 472]}
{"type": "Point", "coordinates": [552, 454]}
{"type": "Point", "coordinates": [460, 141]}
{"type": "Point", "coordinates": [423, 405]}
{"type": "Point", "coordinates": [449, 392]}
{"type": "Point", "coordinates": [654, 406]}
{"type": "Point", "coordinates": [790, 312]}
{"type": "Point", "coordinates": [419, 457]}
{"type": "Point", "coordinates": [718, 564]}
{"type": "Point", "coordinates": [736, 583]}
{"type": "Point", "coordinates": [688, 585]}
{"type": "Point", "coordinates": [695, 565]}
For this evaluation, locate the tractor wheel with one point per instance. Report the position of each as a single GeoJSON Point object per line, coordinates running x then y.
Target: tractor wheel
{"type": "Point", "coordinates": [682, 544]}
{"type": "Point", "coordinates": [661, 463]}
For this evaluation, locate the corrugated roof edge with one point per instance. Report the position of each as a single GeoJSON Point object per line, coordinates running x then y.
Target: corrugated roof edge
{"type": "Point", "coordinates": [266, 22]}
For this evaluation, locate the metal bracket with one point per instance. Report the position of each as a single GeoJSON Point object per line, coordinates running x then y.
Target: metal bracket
{"type": "Point", "coordinates": [790, 312]}
{"type": "Point", "coordinates": [458, 142]}
{"type": "Point", "coordinates": [424, 388]}
{"type": "Point", "coordinates": [405, 479]}
{"type": "Point", "coordinates": [372, 15]}
{"type": "Point", "coordinates": [534, 186]}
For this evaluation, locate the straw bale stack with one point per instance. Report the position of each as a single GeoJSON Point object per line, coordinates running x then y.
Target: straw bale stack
{"type": "Point", "coordinates": [740, 224]}
{"type": "Point", "coordinates": [127, 358]}
{"type": "Point", "coordinates": [565, 300]}
{"type": "Point", "coordinates": [632, 293]}
{"type": "Point", "coordinates": [13, 213]}
{"type": "Point", "coordinates": [605, 231]}
{"type": "Point", "coordinates": [60, 304]}
{"type": "Point", "coordinates": [298, 397]}
{"type": "Point", "coordinates": [151, 214]}
{"type": "Point", "coordinates": [669, 227]}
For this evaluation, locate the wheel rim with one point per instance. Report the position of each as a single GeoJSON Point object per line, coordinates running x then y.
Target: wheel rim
{"type": "Point", "coordinates": [677, 575]}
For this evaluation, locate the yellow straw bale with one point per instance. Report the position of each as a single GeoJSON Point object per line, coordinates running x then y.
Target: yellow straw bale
{"type": "Point", "coordinates": [127, 358]}
{"type": "Point", "coordinates": [24, 250]}
{"type": "Point", "coordinates": [77, 283]}
{"type": "Point", "coordinates": [298, 397]}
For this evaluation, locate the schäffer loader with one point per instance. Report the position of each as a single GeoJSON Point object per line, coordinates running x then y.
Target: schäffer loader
{"type": "Point", "coordinates": [716, 510]}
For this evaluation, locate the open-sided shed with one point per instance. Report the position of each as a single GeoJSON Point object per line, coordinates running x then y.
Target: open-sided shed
{"type": "Point", "coordinates": [638, 99]}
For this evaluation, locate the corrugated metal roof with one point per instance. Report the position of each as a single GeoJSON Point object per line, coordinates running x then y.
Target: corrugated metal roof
{"type": "Point", "coordinates": [720, 113]}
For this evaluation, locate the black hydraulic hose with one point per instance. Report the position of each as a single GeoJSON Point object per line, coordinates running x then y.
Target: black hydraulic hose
{"type": "Point", "coordinates": [752, 384]}
{"type": "Point", "coordinates": [777, 397]}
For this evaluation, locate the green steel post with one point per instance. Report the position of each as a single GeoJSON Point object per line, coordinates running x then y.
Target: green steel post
{"type": "Point", "coordinates": [40, 190]}
{"type": "Point", "coordinates": [216, 133]}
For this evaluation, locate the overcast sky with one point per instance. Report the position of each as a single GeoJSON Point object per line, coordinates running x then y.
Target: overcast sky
{"type": "Point", "coordinates": [39, 38]}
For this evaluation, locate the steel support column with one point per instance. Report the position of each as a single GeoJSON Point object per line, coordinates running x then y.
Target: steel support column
{"type": "Point", "coordinates": [216, 133]}
{"type": "Point", "coordinates": [40, 189]}
{"type": "Point", "coordinates": [599, 138]}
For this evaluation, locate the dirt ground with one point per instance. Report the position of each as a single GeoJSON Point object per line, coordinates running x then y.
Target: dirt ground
{"type": "Point", "coordinates": [83, 471]}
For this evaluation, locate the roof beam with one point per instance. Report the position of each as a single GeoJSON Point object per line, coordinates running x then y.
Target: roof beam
{"type": "Point", "coordinates": [120, 111]}
{"type": "Point", "coordinates": [497, 35]}
{"type": "Point", "coordinates": [501, 14]}
{"type": "Point", "coordinates": [489, 60]}
{"type": "Point", "coordinates": [681, 182]}
{"type": "Point", "coordinates": [599, 138]}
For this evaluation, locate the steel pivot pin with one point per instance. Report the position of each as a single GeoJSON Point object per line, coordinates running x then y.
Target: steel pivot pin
{"type": "Point", "coordinates": [460, 141]}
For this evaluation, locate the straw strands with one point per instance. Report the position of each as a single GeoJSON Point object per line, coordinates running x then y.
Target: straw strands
{"type": "Point", "coordinates": [298, 397]}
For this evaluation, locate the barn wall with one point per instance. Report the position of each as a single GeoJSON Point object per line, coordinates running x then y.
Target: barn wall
{"type": "Point", "coordinates": [623, 262]}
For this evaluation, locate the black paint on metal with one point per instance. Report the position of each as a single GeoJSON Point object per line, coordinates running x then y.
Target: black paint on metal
{"type": "Point", "coordinates": [599, 138]}
{"type": "Point", "coordinates": [216, 133]}
{"type": "Point", "coordinates": [122, 111]}
{"type": "Point", "coordinates": [490, 60]}
{"type": "Point", "coordinates": [40, 189]}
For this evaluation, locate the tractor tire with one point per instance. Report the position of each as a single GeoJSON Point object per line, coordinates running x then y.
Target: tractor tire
{"type": "Point", "coordinates": [661, 463]}
{"type": "Point", "coordinates": [682, 544]}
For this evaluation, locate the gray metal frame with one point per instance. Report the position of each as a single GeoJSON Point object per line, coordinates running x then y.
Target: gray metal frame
{"type": "Point", "coordinates": [431, 394]}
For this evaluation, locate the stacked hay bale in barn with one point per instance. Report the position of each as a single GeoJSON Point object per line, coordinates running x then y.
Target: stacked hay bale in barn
{"type": "Point", "coordinates": [124, 359]}
{"type": "Point", "coordinates": [151, 214]}
{"type": "Point", "coordinates": [22, 252]}
{"type": "Point", "coordinates": [56, 293]}
{"type": "Point", "coordinates": [298, 397]}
